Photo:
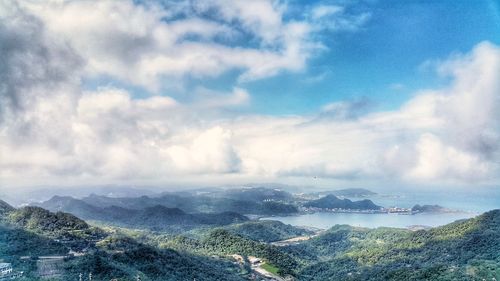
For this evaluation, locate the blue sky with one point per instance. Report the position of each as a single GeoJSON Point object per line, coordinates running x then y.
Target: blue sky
{"type": "Point", "coordinates": [386, 51]}
{"type": "Point", "coordinates": [379, 61]}
{"type": "Point", "coordinates": [207, 92]}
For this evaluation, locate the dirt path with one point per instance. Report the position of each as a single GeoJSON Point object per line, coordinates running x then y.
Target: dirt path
{"type": "Point", "coordinates": [295, 240]}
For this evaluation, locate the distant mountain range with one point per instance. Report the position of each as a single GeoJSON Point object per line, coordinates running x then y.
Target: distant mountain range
{"type": "Point", "coordinates": [157, 217]}
{"type": "Point", "coordinates": [257, 201]}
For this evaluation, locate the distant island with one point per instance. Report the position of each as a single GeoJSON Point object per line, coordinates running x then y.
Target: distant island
{"type": "Point", "coordinates": [345, 193]}
{"type": "Point", "coordinates": [353, 192]}
{"type": "Point", "coordinates": [431, 209]}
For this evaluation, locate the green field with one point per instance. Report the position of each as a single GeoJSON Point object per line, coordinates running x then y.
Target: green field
{"type": "Point", "coordinates": [271, 268]}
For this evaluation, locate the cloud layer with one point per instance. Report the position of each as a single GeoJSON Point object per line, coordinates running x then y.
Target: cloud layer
{"type": "Point", "coordinates": [54, 131]}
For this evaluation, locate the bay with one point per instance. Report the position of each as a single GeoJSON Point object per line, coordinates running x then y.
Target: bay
{"type": "Point", "coordinates": [468, 202]}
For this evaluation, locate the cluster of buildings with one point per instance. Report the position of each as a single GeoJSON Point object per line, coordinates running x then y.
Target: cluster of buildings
{"type": "Point", "coordinates": [5, 269]}
{"type": "Point", "coordinates": [340, 210]}
{"type": "Point", "coordinates": [7, 272]}
{"type": "Point", "coordinates": [398, 210]}
{"type": "Point", "coordinates": [391, 210]}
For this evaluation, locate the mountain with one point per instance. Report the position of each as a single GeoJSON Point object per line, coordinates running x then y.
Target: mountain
{"type": "Point", "coordinates": [333, 202]}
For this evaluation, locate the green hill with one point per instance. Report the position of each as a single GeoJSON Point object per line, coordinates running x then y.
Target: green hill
{"type": "Point", "coordinates": [125, 259]}
{"type": "Point", "coordinates": [464, 250]}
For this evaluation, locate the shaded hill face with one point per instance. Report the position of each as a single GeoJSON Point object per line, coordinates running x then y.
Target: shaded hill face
{"type": "Point", "coordinates": [333, 202]}
{"type": "Point", "coordinates": [5, 208]}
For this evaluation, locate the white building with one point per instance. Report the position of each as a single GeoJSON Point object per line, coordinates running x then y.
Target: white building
{"type": "Point", "coordinates": [5, 269]}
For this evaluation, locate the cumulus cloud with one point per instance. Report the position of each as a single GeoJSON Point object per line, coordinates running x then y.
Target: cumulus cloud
{"type": "Point", "coordinates": [141, 43]}
{"type": "Point", "coordinates": [34, 63]}
{"type": "Point", "coordinates": [52, 131]}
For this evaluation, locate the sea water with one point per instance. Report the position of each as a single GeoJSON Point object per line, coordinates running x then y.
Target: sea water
{"type": "Point", "coordinates": [467, 203]}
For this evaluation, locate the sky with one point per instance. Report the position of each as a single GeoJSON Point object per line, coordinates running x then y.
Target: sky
{"type": "Point", "coordinates": [213, 92]}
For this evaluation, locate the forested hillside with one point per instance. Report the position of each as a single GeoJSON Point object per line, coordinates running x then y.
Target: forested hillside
{"type": "Point", "coordinates": [464, 250]}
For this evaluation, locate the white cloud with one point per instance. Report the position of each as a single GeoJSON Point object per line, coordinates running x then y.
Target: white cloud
{"type": "Point", "coordinates": [436, 160]}
{"type": "Point", "coordinates": [143, 43]}
{"type": "Point", "coordinates": [54, 132]}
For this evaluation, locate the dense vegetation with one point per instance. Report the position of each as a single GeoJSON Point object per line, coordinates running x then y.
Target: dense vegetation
{"type": "Point", "coordinates": [124, 258]}
{"type": "Point", "coordinates": [223, 242]}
